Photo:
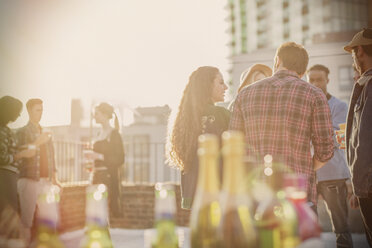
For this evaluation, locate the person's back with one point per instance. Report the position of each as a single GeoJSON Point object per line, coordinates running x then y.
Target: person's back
{"type": "Point", "coordinates": [280, 115]}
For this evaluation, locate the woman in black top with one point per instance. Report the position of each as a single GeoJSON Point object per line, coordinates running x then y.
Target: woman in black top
{"type": "Point", "coordinates": [197, 114]}
{"type": "Point", "coordinates": [107, 166]}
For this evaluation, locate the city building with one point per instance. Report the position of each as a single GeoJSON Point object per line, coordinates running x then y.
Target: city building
{"type": "Point", "coordinates": [258, 27]}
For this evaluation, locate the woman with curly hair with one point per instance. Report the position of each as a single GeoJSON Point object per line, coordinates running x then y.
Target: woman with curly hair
{"type": "Point", "coordinates": [197, 114]}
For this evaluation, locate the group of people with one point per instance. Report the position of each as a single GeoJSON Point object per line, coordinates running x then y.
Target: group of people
{"type": "Point", "coordinates": [27, 162]}
{"type": "Point", "coordinates": [291, 119]}
{"type": "Point", "coordinates": [279, 114]}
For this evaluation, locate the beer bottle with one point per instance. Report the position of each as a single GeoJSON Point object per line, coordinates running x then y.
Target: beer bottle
{"type": "Point", "coordinates": [165, 210]}
{"type": "Point", "coordinates": [206, 211]}
{"type": "Point", "coordinates": [47, 219]}
{"type": "Point", "coordinates": [236, 229]}
{"type": "Point", "coordinates": [97, 232]}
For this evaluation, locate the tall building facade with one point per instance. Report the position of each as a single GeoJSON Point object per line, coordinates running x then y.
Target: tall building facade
{"type": "Point", "coordinates": [258, 27]}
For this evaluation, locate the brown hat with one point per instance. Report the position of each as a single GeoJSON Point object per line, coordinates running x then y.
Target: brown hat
{"type": "Point", "coordinates": [362, 38]}
{"type": "Point", "coordinates": [247, 76]}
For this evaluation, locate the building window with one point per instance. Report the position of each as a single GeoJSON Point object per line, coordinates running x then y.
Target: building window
{"type": "Point", "coordinates": [141, 146]}
{"type": "Point", "coordinates": [345, 78]}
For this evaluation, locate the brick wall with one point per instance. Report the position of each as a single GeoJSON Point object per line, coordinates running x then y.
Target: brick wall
{"type": "Point", "coordinates": [72, 208]}
{"type": "Point", "coordinates": [138, 203]}
{"type": "Point", "coordinates": [138, 210]}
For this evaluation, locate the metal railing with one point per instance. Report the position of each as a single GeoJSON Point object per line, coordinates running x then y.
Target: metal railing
{"type": "Point", "coordinates": [144, 163]}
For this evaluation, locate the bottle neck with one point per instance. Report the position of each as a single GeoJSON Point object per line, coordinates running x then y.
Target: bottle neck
{"type": "Point", "coordinates": [165, 208]}
{"type": "Point", "coordinates": [234, 173]}
{"type": "Point", "coordinates": [96, 211]}
{"type": "Point", "coordinates": [208, 179]}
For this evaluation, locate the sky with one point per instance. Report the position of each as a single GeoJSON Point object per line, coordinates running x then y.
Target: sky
{"type": "Point", "coordinates": [128, 53]}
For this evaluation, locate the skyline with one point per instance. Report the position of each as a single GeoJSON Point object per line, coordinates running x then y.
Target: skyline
{"type": "Point", "coordinates": [120, 52]}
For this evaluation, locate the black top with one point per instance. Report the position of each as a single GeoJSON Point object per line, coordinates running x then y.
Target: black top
{"type": "Point", "coordinates": [112, 150]}
{"type": "Point", "coordinates": [215, 121]}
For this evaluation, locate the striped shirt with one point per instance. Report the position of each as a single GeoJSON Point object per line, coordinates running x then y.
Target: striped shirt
{"type": "Point", "coordinates": [281, 115]}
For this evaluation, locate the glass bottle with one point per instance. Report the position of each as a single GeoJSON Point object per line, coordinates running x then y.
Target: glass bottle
{"type": "Point", "coordinates": [295, 187]}
{"type": "Point", "coordinates": [236, 229]}
{"type": "Point", "coordinates": [206, 211]}
{"type": "Point", "coordinates": [47, 219]}
{"type": "Point", "coordinates": [165, 210]}
{"type": "Point", "coordinates": [276, 217]}
{"type": "Point", "coordinates": [97, 232]}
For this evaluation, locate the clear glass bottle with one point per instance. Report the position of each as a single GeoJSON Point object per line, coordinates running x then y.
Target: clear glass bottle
{"type": "Point", "coordinates": [206, 210]}
{"type": "Point", "coordinates": [47, 219]}
{"type": "Point", "coordinates": [165, 210]}
{"type": "Point", "coordinates": [236, 229]}
{"type": "Point", "coordinates": [96, 224]}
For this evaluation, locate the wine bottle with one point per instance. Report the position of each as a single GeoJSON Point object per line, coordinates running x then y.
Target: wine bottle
{"type": "Point", "coordinates": [276, 217]}
{"type": "Point", "coordinates": [206, 211]}
{"type": "Point", "coordinates": [165, 210]}
{"type": "Point", "coordinates": [97, 232]}
{"type": "Point", "coordinates": [236, 229]}
{"type": "Point", "coordinates": [47, 219]}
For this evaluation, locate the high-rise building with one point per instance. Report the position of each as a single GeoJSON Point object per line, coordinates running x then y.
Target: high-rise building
{"type": "Point", "coordinates": [258, 27]}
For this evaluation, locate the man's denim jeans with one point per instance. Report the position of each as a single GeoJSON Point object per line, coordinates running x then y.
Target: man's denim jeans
{"type": "Point", "coordinates": [334, 194]}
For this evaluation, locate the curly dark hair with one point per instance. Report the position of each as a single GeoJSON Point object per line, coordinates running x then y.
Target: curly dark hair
{"type": "Point", "coordinates": [10, 109]}
{"type": "Point", "coordinates": [187, 127]}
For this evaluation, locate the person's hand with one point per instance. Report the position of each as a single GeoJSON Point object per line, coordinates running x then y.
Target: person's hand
{"type": "Point", "coordinates": [90, 155]}
{"type": "Point", "coordinates": [354, 203]}
{"type": "Point", "coordinates": [56, 182]}
{"type": "Point", "coordinates": [27, 153]}
{"type": "Point", "coordinates": [42, 139]}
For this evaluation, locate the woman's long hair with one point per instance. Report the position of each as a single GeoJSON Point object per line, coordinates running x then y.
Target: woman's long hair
{"type": "Point", "coordinates": [183, 140]}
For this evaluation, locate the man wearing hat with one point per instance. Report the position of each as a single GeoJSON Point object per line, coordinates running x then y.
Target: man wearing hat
{"type": "Point", "coordinates": [359, 126]}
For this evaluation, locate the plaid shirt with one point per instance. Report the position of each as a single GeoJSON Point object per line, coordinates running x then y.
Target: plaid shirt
{"type": "Point", "coordinates": [30, 167]}
{"type": "Point", "coordinates": [280, 116]}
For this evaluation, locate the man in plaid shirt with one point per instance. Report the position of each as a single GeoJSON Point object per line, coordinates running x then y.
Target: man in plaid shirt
{"type": "Point", "coordinates": [281, 115]}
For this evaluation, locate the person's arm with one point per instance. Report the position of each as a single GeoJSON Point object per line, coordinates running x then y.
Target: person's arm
{"type": "Point", "coordinates": [363, 151]}
{"type": "Point", "coordinates": [236, 119]}
{"type": "Point", "coordinates": [322, 131]}
{"type": "Point", "coordinates": [5, 156]}
{"type": "Point", "coordinates": [112, 150]}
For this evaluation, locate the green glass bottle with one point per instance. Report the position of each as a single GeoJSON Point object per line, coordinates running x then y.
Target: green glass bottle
{"type": "Point", "coordinates": [97, 233]}
{"type": "Point", "coordinates": [236, 229]}
{"type": "Point", "coordinates": [165, 210]}
{"type": "Point", "coordinates": [47, 219]}
{"type": "Point", "coordinates": [276, 218]}
{"type": "Point", "coordinates": [206, 210]}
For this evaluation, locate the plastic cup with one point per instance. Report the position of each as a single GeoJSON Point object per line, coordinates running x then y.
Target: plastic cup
{"type": "Point", "coordinates": [342, 126]}
{"type": "Point", "coordinates": [340, 137]}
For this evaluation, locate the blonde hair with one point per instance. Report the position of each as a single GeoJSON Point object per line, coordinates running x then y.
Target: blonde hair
{"type": "Point", "coordinates": [182, 141]}
{"type": "Point", "coordinates": [247, 77]}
